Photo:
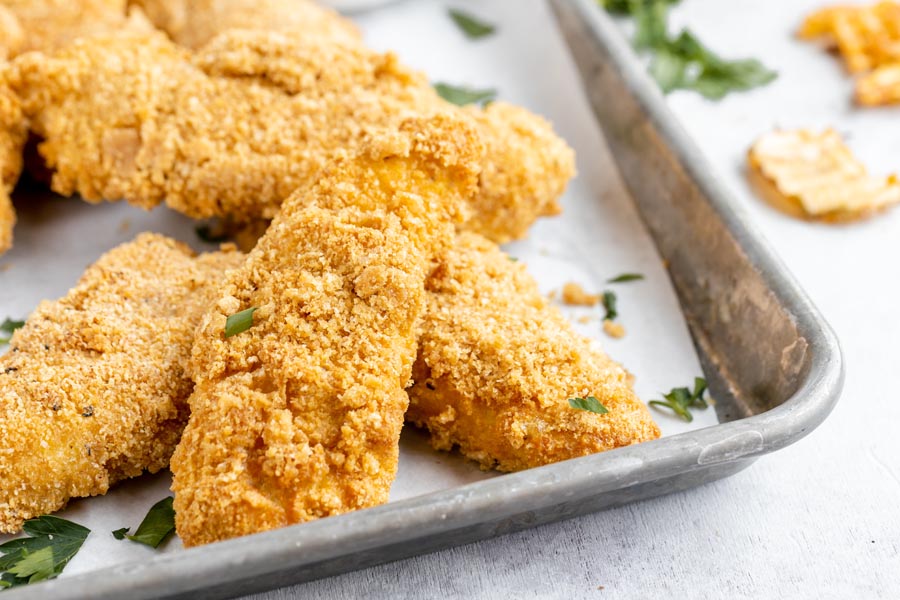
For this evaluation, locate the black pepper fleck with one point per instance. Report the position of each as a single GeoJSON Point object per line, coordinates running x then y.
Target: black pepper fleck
{"type": "Point", "coordinates": [429, 385]}
{"type": "Point", "coordinates": [88, 411]}
{"type": "Point", "coordinates": [10, 369]}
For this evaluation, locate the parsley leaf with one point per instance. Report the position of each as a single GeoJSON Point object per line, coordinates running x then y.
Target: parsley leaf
{"type": "Point", "coordinates": [8, 327]}
{"type": "Point", "coordinates": [679, 400]}
{"type": "Point", "coordinates": [609, 303]}
{"type": "Point", "coordinates": [625, 277]}
{"type": "Point", "coordinates": [683, 62]}
{"type": "Point", "coordinates": [590, 404]}
{"type": "Point", "coordinates": [156, 526]}
{"type": "Point", "coordinates": [239, 322]}
{"type": "Point", "coordinates": [471, 25]}
{"type": "Point", "coordinates": [462, 95]}
{"type": "Point", "coordinates": [51, 544]}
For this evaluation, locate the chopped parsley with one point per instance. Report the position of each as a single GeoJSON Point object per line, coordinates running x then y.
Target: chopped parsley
{"type": "Point", "coordinates": [462, 95]}
{"type": "Point", "coordinates": [683, 62]}
{"type": "Point", "coordinates": [470, 25]}
{"type": "Point", "coordinates": [590, 404]}
{"type": "Point", "coordinates": [8, 327]}
{"type": "Point", "coordinates": [51, 544]}
{"type": "Point", "coordinates": [679, 400]}
{"type": "Point", "coordinates": [625, 277]}
{"type": "Point", "coordinates": [156, 526]}
{"type": "Point", "coordinates": [239, 322]}
{"type": "Point", "coordinates": [609, 303]}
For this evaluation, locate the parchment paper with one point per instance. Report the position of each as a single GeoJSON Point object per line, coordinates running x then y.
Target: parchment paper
{"type": "Point", "coordinates": [598, 236]}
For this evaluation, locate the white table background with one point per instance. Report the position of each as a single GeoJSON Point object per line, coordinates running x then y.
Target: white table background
{"type": "Point", "coordinates": [820, 519]}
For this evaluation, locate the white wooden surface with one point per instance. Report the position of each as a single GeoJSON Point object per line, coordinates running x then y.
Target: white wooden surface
{"type": "Point", "coordinates": [820, 519]}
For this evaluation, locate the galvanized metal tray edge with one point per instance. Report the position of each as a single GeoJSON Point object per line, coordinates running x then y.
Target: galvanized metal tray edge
{"type": "Point", "coordinates": [516, 501]}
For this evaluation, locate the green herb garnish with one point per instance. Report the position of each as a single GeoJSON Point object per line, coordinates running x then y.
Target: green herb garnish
{"type": "Point", "coordinates": [625, 277]}
{"type": "Point", "coordinates": [463, 95]}
{"type": "Point", "coordinates": [156, 526]}
{"type": "Point", "coordinates": [473, 27]}
{"type": "Point", "coordinates": [51, 544]}
{"type": "Point", "coordinates": [239, 322]}
{"type": "Point", "coordinates": [683, 62]}
{"type": "Point", "coordinates": [590, 404]}
{"type": "Point", "coordinates": [8, 327]}
{"type": "Point", "coordinates": [679, 400]}
{"type": "Point", "coordinates": [211, 236]}
{"type": "Point", "coordinates": [609, 303]}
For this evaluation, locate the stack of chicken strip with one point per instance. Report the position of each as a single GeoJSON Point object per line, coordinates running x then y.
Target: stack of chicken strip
{"type": "Point", "coordinates": [358, 286]}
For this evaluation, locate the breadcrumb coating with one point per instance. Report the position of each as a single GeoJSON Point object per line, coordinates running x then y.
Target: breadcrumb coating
{"type": "Point", "coordinates": [12, 139]}
{"type": "Point", "coordinates": [235, 128]}
{"type": "Point", "coordinates": [47, 25]}
{"type": "Point", "coordinates": [299, 416]}
{"type": "Point", "coordinates": [497, 364]}
{"type": "Point", "coordinates": [93, 388]}
{"type": "Point", "coordinates": [192, 23]}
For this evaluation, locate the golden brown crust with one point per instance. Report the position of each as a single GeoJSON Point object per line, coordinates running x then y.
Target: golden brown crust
{"type": "Point", "coordinates": [93, 386]}
{"type": "Point", "coordinates": [299, 417]}
{"type": "Point", "coordinates": [253, 116]}
{"type": "Point", "coordinates": [192, 23]}
{"type": "Point", "coordinates": [46, 25]}
{"type": "Point", "coordinates": [497, 365]}
{"type": "Point", "coordinates": [12, 139]}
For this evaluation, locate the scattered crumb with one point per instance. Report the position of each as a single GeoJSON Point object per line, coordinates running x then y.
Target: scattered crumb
{"type": "Point", "coordinates": [125, 225]}
{"type": "Point", "coordinates": [613, 329]}
{"type": "Point", "coordinates": [665, 263]}
{"type": "Point", "coordinates": [584, 319]}
{"type": "Point", "coordinates": [574, 295]}
{"type": "Point", "coordinates": [551, 295]}
{"type": "Point", "coordinates": [600, 587]}
{"type": "Point", "coordinates": [5, 267]}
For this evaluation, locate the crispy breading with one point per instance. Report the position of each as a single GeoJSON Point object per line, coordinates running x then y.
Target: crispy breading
{"type": "Point", "coordinates": [815, 175]}
{"type": "Point", "coordinates": [299, 416]}
{"type": "Point", "coordinates": [253, 117]}
{"type": "Point", "coordinates": [12, 38]}
{"type": "Point", "coordinates": [12, 139]}
{"type": "Point", "coordinates": [880, 86]}
{"type": "Point", "coordinates": [866, 36]}
{"type": "Point", "coordinates": [93, 388]}
{"type": "Point", "coordinates": [192, 23]}
{"type": "Point", "coordinates": [497, 364]}
{"type": "Point", "coordinates": [46, 25]}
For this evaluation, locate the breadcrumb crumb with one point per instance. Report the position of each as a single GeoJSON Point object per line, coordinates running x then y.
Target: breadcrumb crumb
{"type": "Point", "coordinates": [575, 295]}
{"type": "Point", "coordinates": [613, 329]}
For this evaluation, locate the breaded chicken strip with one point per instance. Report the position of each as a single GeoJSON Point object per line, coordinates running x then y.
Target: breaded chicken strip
{"type": "Point", "coordinates": [93, 388]}
{"type": "Point", "coordinates": [299, 416]}
{"type": "Point", "coordinates": [497, 365]}
{"type": "Point", "coordinates": [255, 116]}
{"type": "Point", "coordinates": [12, 138]}
{"type": "Point", "coordinates": [46, 25]}
{"type": "Point", "coordinates": [192, 23]}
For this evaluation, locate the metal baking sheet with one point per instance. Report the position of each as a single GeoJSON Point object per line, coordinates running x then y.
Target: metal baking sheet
{"type": "Point", "coordinates": [773, 364]}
